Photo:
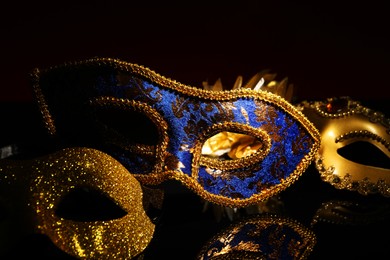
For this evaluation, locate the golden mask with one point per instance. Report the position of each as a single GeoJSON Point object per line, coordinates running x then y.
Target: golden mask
{"type": "Point", "coordinates": [343, 121]}
{"type": "Point", "coordinates": [36, 187]}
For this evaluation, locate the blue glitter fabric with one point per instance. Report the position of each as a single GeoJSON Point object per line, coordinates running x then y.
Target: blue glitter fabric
{"type": "Point", "coordinates": [76, 95]}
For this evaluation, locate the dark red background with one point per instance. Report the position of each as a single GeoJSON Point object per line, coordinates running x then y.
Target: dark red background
{"type": "Point", "coordinates": [326, 48]}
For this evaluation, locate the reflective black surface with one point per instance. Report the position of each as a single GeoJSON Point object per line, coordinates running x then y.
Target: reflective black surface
{"type": "Point", "coordinates": [347, 225]}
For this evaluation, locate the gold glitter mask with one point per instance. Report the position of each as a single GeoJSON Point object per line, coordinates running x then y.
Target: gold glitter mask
{"type": "Point", "coordinates": [38, 186]}
{"type": "Point", "coordinates": [344, 122]}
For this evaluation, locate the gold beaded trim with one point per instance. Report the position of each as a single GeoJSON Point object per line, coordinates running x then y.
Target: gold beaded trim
{"type": "Point", "coordinates": [364, 134]}
{"type": "Point", "coordinates": [363, 186]}
{"type": "Point", "coordinates": [372, 115]}
{"type": "Point", "coordinates": [192, 183]}
{"type": "Point", "coordinates": [158, 151]}
{"type": "Point", "coordinates": [224, 95]}
{"type": "Point", "coordinates": [263, 137]}
{"type": "Point", "coordinates": [317, 105]}
{"type": "Point", "coordinates": [45, 180]}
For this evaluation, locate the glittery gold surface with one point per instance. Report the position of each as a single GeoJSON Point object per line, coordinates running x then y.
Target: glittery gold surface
{"type": "Point", "coordinates": [48, 179]}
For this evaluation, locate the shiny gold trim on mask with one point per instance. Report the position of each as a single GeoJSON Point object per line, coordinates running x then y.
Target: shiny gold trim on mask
{"type": "Point", "coordinates": [261, 135]}
{"type": "Point", "coordinates": [157, 151]}
{"type": "Point", "coordinates": [121, 67]}
{"type": "Point", "coordinates": [47, 179]}
{"type": "Point", "coordinates": [360, 182]}
{"type": "Point", "coordinates": [226, 140]}
{"type": "Point", "coordinates": [263, 80]}
{"type": "Point", "coordinates": [224, 95]}
{"type": "Point", "coordinates": [363, 134]}
{"type": "Point", "coordinates": [343, 124]}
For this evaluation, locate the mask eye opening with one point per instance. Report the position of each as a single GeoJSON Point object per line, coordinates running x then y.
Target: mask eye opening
{"type": "Point", "coordinates": [85, 204]}
{"type": "Point", "coordinates": [244, 146]}
{"type": "Point", "coordinates": [131, 125]}
{"type": "Point", "coordinates": [366, 153]}
{"type": "Point", "coordinates": [228, 145]}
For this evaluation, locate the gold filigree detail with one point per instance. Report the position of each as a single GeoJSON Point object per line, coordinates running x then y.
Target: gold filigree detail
{"type": "Point", "coordinates": [343, 121]}
{"type": "Point", "coordinates": [363, 134]}
{"type": "Point", "coordinates": [363, 186]}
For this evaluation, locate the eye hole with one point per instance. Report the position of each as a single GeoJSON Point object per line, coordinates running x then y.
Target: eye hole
{"type": "Point", "coordinates": [365, 153]}
{"type": "Point", "coordinates": [134, 126]}
{"type": "Point", "coordinates": [230, 145]}
{"type": "Point", "coordinates": [85, 204]}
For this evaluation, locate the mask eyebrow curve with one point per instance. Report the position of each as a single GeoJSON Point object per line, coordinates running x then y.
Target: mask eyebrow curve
{"type": "Point", "coordinates": [370, 136]}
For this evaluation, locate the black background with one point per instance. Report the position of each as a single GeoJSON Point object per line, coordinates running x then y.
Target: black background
{"type": "Point", "coordinates": [325, 48]}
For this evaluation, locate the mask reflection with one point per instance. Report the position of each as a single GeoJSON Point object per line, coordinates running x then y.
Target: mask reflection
{"type": "Point", "coordinates": [261, 237]}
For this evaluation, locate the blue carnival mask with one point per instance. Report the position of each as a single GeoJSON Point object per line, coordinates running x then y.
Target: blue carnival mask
{"type": "Point", "coordinates": [157, 127]}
